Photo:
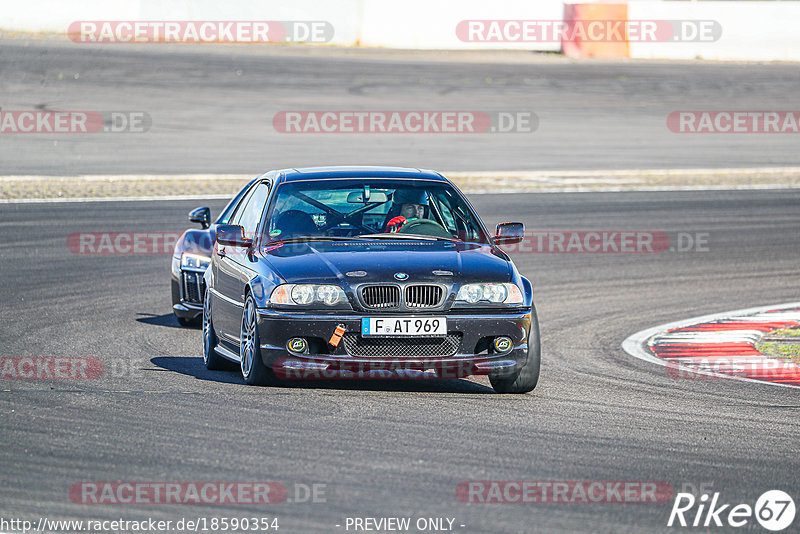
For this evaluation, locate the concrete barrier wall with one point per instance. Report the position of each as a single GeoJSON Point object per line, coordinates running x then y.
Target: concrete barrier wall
{"type": "Point", "coordinates": [751, 30]}
{"type": "Point", "coordinates": [431, 24]}
{"type": "Point", "coordinates": [57, 15]}
{"type": "Point", "coordinates": [421, 24]}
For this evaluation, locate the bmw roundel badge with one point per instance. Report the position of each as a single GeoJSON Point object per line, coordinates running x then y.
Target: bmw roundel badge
{"type": "Point", "coordinates": [401, 276]}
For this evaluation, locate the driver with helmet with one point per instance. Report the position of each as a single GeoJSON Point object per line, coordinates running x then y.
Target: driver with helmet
{"type": "Point", "coordinates": [411, 206]}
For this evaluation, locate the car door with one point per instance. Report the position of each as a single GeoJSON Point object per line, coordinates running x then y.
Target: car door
{"type": "Point", "coordinates": [233, 270]}
{"type": "Point", "coordinates": [221, 304]}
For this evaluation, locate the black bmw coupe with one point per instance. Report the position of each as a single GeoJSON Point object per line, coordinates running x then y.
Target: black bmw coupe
{"type": "Point", "coordinates": [365, 271]}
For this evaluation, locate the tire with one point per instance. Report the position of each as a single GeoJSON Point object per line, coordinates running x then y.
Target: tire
{"type": "Point", "coordinates": [525, 379]}
{"type": "Point", "coordinates": [213, 361]}
{"type": "Point", "coordinates": [254, 372]}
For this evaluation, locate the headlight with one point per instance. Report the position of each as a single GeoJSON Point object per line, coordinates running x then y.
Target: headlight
{"type": "Point", "coordinates": [305, 294]}
{"type": "Point", "coordinates": [493, 293]}
{"type": "Point", "coordinates": [194, 261]}
{"type": "Point", "coordinates": [329, 295]}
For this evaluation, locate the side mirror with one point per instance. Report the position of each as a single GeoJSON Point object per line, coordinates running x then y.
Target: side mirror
{"type": "Point", "coordinates": [232, 235]}
{"type": "Point", "coordinates": [509, 233]}
{"type": "Point", "coordinates": [202, 216]}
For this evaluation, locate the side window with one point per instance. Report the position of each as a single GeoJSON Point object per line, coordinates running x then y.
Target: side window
{"type": "Point", "coordinates": [444, 208]}
{"type": "Point", "coordinates": [251, 214]}
{"type": "Point", "coordinates": [457, 219]}
{"type": "Point", "coordinates": [236, 216]}
{"type": "Point", "coordinates": [225, 216]}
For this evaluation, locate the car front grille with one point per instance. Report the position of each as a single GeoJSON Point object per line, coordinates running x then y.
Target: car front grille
{"type": "Point", "coordinates": [393, 347]}
{"type": "Point", "coordinates": [423, 296]}
{"type": "Point", "coordinates": [194, 287]}
{"type": "Point", "coordinates": [381, 297]}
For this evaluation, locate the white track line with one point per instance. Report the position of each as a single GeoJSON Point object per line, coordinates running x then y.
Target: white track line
{"type": "Point", "coordinates": [635, 344]}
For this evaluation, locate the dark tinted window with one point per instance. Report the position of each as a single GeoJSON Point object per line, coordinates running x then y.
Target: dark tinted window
{"type": "Point", "coordinates": [236, 216]}
{"type": "Point", "coordinates": [251, 213]}
{"type": "Point", "coordinates": [227, 213]}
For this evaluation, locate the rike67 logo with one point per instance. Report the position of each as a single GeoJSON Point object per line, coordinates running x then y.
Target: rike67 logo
{"type": "Point", "coordinates": [774, 510]}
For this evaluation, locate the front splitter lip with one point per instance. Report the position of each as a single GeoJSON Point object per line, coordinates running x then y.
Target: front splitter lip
{"type": "Point", "coordinates": [459, 366]}
{"type": "Point", "coordinates": [187, 310]}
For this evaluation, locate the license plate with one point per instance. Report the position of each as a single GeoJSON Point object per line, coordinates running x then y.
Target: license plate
{"type": "Point", "coordinates": [404, 326]}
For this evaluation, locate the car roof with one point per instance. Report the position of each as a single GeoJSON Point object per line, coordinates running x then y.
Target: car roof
{"type": "Point", "coordinates": [325, 173]}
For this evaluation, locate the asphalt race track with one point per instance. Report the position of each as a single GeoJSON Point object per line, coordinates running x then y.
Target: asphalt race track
{"type": "Point", "coordinates": [393, 448]}
{"type": "Point", "coordinates": [212, 108]}
{"type": "Point", "coordinates": [401, 448]}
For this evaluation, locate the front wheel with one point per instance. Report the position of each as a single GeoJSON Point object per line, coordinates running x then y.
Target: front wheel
{"type": "Point", "coordinates": [254, 371]}
{"type": "Point", "coordinates": [524, 379]}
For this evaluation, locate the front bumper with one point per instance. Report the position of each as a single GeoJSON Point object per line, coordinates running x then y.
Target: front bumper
{"type": "Point", "coordinates": [188, 291]}
{"type": "Point", "coordinates": [466, 350]}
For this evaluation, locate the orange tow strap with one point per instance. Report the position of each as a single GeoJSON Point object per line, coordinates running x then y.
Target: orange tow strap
{"type": "Point", "coordinates": [337, 335]}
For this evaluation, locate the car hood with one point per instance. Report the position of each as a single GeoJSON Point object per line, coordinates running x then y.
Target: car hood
{"type": "Point", "coordinates": [379, 261]}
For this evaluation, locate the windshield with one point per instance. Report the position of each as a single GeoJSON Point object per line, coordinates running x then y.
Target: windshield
{"type": "Point", "coordinates": [373, 209]}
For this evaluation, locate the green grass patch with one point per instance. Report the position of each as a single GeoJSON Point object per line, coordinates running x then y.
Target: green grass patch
{"type": "Point", "coordinates": [789, 352]}
{"type": "Point", "coordinates": [786, 332]}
